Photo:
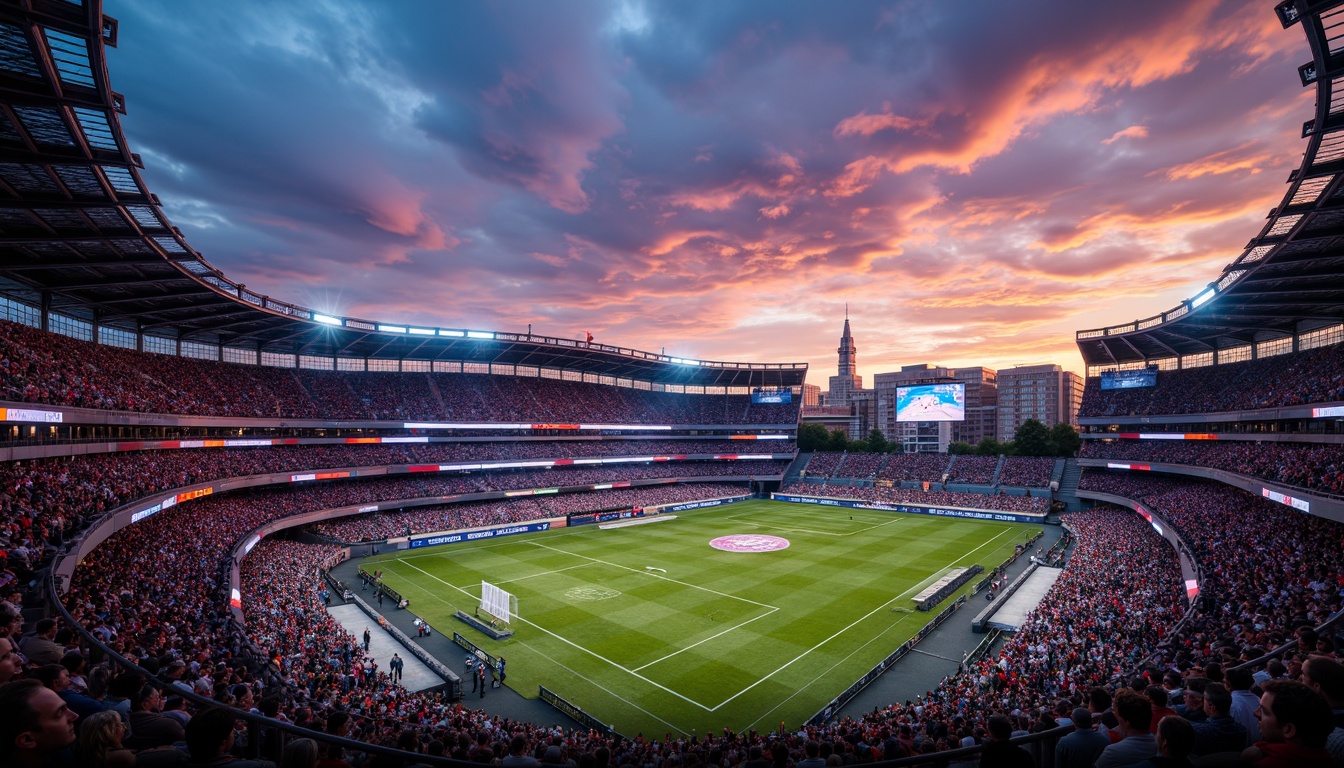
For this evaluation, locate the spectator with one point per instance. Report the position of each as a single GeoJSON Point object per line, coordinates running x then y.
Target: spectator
{"type": "Point", "coordinates": [1175, 738]}
{"type": "Point", "coordinates": [1219, 732]}
{"type": "Point", "coordinates": [99, 742]}
{"type": "Point", "coordinates": [999, 752]}
{"type": "Point", "coordinates": [1326, 677]}
{"type": "Point", "coordinates": [41, 647]}
{"type": "Point", "coordinates": [1295, 722]}
{"type": "Point", "coordinates": [1134, 713]}
{"type": "Point", "coordinates": [210, 740]}
{"type": "Point", "coordinates": [35, 724]}
{"type": "Point", "coordinates": [1081, 748]}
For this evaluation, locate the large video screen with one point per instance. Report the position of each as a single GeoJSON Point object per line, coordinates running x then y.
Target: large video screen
{"type": "Point", "coordinates": [931, 402]}
{"type": "Point", "coordinates": [781, 395]}
{"type": "Point", "coordinates": [1128, 379]}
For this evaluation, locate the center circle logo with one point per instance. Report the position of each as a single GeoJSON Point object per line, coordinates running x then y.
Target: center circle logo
{"type": "Point", "coordinates": [749, 542]}
{"type": "Point", "coordinates": [591, 593]}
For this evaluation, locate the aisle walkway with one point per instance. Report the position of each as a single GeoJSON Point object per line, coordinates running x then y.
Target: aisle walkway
{"type": "Point", "coordinates": [415, 677]}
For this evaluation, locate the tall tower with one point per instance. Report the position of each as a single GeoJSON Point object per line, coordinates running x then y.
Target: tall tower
{"type": "Point", "coordinates": [847, 379]}
{"type": "Point", "coordinates": [848, 352]}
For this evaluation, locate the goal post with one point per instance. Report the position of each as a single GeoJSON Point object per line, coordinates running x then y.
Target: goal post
{"type": "Point", "coordinates": [498, 604]}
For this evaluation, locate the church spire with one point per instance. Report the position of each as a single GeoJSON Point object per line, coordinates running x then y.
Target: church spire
{"type": "Point", "coordinates": [848, 352]}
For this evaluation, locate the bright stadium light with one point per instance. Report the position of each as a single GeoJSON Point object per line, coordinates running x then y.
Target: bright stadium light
{"type": "Point", "coordinates": [480, 335]}
{"type": "Point", "coordinates": [423, 331]}
{"type": "Point", "coordinates": [392, 328]}
{"type": "Point", "coordinates": [1203, 298]}
{"type": "Point", "coordinates": [327, 319]}
{"type": "Point", "coordinates": [454, 334]}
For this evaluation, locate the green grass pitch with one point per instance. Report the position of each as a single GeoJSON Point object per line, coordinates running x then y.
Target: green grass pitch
{"type": "Point", "coordinates": [715, 639]}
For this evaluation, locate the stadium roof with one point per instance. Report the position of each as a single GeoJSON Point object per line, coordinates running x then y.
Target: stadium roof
{"type": "Point", "coordinates": [80, 234]}
{"type": "Point", "coordinates": [1289, 279]}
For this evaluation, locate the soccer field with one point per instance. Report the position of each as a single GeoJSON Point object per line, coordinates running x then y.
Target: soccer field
{"type": "Point", "coordinates": [650, 629]}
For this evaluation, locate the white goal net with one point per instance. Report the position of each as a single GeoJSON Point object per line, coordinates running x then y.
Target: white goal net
{"type": "Point", "coordinates": [497, 603]}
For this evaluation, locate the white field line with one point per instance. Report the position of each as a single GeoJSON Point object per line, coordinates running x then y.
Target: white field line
{"type": "Point", "coordinates": [747, 519]}
{"type": "Point", "coordinates": [653, 575]}
{"type": "Point", "coordinates": [826, 671]}
{"type": "Point", "coordinates": [662, 687]}
{"type": "Point", "coordinates": [568, 642]}
{"type": "Point", "coordinates": [603, 688]}
{"type": "Point", "coordinates": [847, 628]}
{"type": "Point", "coordinates": [543, 573]}
{"type": "Point", "coordinates": [706, 640]}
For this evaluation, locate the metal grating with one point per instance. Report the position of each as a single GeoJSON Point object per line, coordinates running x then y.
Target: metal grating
{"type": "Point", "coordinates": [97, 131]}
{"type": "Point", "coordinates": [144, 216]}
{"type": "Point", "coordinates": [1333, 24]}
{"type": "Point", "coordinates": [1332, 148]}
{"type": "Point", "coordinates": [45, 126]}
{"type": "Point", "coordinates": [80, 180]}
{"type": "Point", "coordinates": [1310, 190]}
{"type": "Point", "coordinates": [1283, 225]}
{"type": "Point", "coordinates": [7, 130]}
{"type": "Point", "coordinates": [170, 245]}
{"type": "Point", "coordinates": [16, 55]}
{"type": "Point", "coordinates": [71, 55]}
{"type": "Point", "coordinates": [63, 219]}
{"type": "Point", "coordinates": [106, 218]}
{"type": "Point", "coordinates": [1255, 254]}
{"type": "Point", "coordinates": [120, 179]}
{"type": "Point", "coordinates": [27, 178]}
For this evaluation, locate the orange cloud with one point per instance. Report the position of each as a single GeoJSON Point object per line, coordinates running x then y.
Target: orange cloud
{"type": "Point", "coordinates": [1132, 132]}
{"type": "Point", "coordinates": [1227, 161]}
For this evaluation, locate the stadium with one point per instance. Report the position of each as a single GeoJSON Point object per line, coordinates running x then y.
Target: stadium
{"type": "Point", "coordinates": [223, 512]}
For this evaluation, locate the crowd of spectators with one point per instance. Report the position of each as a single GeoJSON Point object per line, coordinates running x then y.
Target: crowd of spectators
{"type": "Point", "coordinates": [1268, 567]}
{"type": "Point", "coordinates": [1315, 466]}
{"type": "Point", "coordinates": [1026, 471]}
{"type": "Point", "coordinates": [973, 469]}
{"type": "Point", "coordinates": [1314, 376]}
{"type": "Point", "coordinates": [154, 592]}
{"type": "Point", "coordinates": [861, 466]}
{"type": "Point", "coordinates": [45, 501]}
{"type": "Point", "coordinates": [41, 367]}
{"type": "Point", "coordinates": [446, 517]}
{"type": "Point", "coordinates": [1018, 471]}
{"type": "Point", "coordinates": [929, 467]}
{"type": "Point", "coordinates": [895, 495]}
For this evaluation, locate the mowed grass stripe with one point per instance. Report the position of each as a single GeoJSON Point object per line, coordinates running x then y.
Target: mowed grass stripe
{"type": "Point", "coordinates": [671, 647]}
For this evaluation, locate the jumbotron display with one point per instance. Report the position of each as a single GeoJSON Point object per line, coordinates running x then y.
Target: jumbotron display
{"type": "Point", "coordinates": [931, 402]}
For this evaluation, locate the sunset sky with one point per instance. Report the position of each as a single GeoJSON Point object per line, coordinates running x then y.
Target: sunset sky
{"type": "Point", "coordinates": [978, 180]}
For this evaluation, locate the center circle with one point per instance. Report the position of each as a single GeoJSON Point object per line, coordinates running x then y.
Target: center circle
{"type": "Point", "coordinates": [749, 542]}
{"type": "Point", "coordinates": [591, 593]}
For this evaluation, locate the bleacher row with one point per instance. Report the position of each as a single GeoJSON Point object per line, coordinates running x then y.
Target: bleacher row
{"type": "Point", "coordinates": [40, 367]}
{"type": "Point", "coordinates": [1312, 466]}
{"type": "Point", "coordinates": [1017, 471]}
{"type": "Point", "coordinates": [1313, 376]}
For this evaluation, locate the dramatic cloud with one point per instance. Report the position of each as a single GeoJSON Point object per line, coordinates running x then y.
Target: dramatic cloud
{"type": "Point", "coordinates": [977, 180]}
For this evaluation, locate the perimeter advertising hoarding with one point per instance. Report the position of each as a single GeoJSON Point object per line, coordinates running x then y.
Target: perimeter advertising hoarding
{"type": "Point", "coordinates": [931, 402]}
{"type": "Point", "coordinates": [453, 538]}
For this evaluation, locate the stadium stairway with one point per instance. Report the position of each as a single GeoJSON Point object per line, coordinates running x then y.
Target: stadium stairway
{"type": "Point", "coordinates": [438, 396]}
{"type": "Point", "coordinates": [795, 470]}
{"type": "Point", "coordinates": [998, 469]}
{"type": "Point", "coordinates": [1068, 482]}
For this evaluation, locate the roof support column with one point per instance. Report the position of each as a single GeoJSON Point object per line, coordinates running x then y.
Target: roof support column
{"type": "Point", "coordinates": [45, 307]}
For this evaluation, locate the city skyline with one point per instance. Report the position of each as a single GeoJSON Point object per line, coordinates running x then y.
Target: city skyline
{"type": "Point", "coordinates": [977, 182]}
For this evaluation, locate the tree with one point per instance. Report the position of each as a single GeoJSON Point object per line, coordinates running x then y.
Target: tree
{"type": "Point", "coordinates": [838, 440]}
{"type": "Point", "coordinates": [990, 447]}
{"type": "Point", "coordinates": [876, 442]}
{"type": "Point", "coordinates": [1032, 439]}
{"type": "Point", "coordinates": [959, 447]}
{"type": "Point", "coordinates": [1065, 440]}
{"type": "Point", "coordinates": [812, 437]}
